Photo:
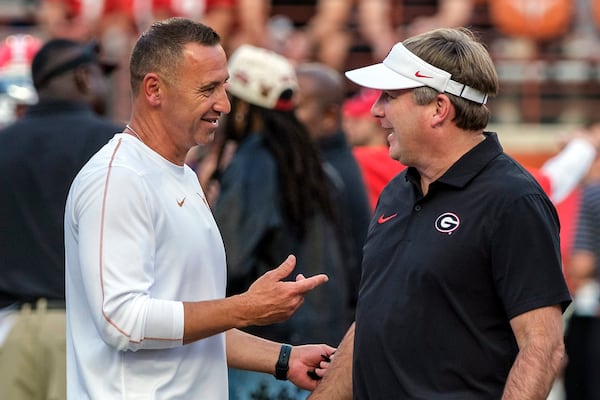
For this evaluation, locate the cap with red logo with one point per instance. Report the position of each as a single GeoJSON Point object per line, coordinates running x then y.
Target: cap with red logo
{"type": "Point", "coordinates": [262, 77]}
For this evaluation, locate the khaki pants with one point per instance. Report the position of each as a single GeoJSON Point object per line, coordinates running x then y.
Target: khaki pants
{"type": "Point", "coordinates": [33, 357]}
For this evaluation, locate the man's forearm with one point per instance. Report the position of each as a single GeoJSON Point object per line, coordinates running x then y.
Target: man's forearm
{"type": "Point", "coordinates": [337, 382]}
{"type": "Point", "coordinates": [533, 373]}
{"type": "Point", "coordinates": [531, 380]}
{"type": "Point", "coordinates": [249, 352]}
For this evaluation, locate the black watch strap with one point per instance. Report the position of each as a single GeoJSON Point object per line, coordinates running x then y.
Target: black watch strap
{"type": "Point", "coordinates": [283, 362]}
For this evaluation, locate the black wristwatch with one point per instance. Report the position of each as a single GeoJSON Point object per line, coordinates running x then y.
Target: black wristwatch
{"type": "Point", "coordinates": [283, 362]}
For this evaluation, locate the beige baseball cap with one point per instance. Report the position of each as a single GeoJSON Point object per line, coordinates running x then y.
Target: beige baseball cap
{"type": "Point", "coordinates": [262, 77]}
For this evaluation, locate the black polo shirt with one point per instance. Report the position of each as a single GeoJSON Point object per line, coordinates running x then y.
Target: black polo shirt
{"type": "Point", "coordinates": [443, 274]}
{"type": "Point", "coordinates": [40, 155]}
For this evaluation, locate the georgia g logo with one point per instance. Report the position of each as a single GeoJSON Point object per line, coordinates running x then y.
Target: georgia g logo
{"type": "Point", "coordinates": [447, 223]}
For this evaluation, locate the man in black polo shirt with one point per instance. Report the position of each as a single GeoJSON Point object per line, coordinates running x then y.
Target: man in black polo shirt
{"type": "Point", "coordinates": [40, 154]}
{"type": "Point", "coordinates": [462, 289]}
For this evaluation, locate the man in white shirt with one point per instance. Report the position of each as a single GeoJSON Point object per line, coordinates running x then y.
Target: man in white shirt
{"type": "Point", "coordinates": [147, 315]}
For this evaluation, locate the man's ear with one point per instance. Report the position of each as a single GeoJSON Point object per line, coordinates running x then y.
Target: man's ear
{"type": "Point", "coordinates": [151, 86]}
{"type": "Point", "coordinates": [443, 109]}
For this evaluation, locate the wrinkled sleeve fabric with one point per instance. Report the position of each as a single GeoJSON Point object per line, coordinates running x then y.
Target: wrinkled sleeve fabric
{"type": "Point", "coordinates": [116, 254]}
{"type": "Point", "coordinates": [526, 257]}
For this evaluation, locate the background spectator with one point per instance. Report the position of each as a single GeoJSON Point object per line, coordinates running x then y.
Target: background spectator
{"type": "Point", "coordinates": [40, 154]}
{"type": "Point", "coordinates": [370, 143]}
{"type": "Point", "coordinates": [318, 107]}
{"type": "Point", "coordinates": [16, 87]}
{"type": "Point", "coordinates": [275, 199]}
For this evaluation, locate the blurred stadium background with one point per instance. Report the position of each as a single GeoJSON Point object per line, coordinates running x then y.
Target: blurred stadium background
{"type": "Point", "coordinates": [550, 82]}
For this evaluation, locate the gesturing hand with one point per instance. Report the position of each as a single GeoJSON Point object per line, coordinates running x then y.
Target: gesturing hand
{"type": "Point", "coordinates": [270, 299]}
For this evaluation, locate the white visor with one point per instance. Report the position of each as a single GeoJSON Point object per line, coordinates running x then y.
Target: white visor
{"type": "Point", "coordinates": [402, 69]}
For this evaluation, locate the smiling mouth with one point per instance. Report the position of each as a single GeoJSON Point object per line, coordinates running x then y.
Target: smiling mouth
{"type": "Point", "coordinates": [213, 121]}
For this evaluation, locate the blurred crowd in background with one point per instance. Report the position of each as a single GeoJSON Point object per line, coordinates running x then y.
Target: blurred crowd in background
{"type": "Point", "coordinates": [545, 51]}
{"type": "Point", "coordinates": [547, 54]}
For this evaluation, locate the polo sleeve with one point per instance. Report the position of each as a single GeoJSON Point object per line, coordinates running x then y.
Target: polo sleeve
{"type": "Point", "coordinates": [526, 262]}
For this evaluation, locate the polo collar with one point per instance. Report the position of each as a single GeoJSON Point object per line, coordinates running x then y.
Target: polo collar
{"type": "Point", "coordinates": [469, 165]}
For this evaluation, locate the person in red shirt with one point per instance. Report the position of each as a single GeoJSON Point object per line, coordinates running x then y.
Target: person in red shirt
{"type": "Point", "coordinates": [562, 177]}
{"type": "Point", "coordinates": [369, 141]}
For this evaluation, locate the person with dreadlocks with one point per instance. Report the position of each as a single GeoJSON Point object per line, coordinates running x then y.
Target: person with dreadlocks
{"type": "Point", "coordinates": [277, 198]}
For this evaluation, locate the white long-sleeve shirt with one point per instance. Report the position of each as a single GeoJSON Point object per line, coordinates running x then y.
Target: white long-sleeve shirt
{"type": "Point", "coordinates": [140, 239]}
{"type": "Point", "coordinates": [568, 168]}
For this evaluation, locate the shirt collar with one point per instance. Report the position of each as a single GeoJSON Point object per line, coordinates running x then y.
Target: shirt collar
{"type": "Point", "coordinates": [468, 166]}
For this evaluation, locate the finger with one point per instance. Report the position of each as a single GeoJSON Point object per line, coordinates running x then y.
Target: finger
{"type": "Point", "coordinates": [300, 277]}
{"type": "Point", "coordinates": [284, 269]}
{"type": "Point", "coordinates": [329, 357]}
{"type": "Point", "coordinates": [313, 375]}
{"type": "Point", "coordinates": [308, 284]}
